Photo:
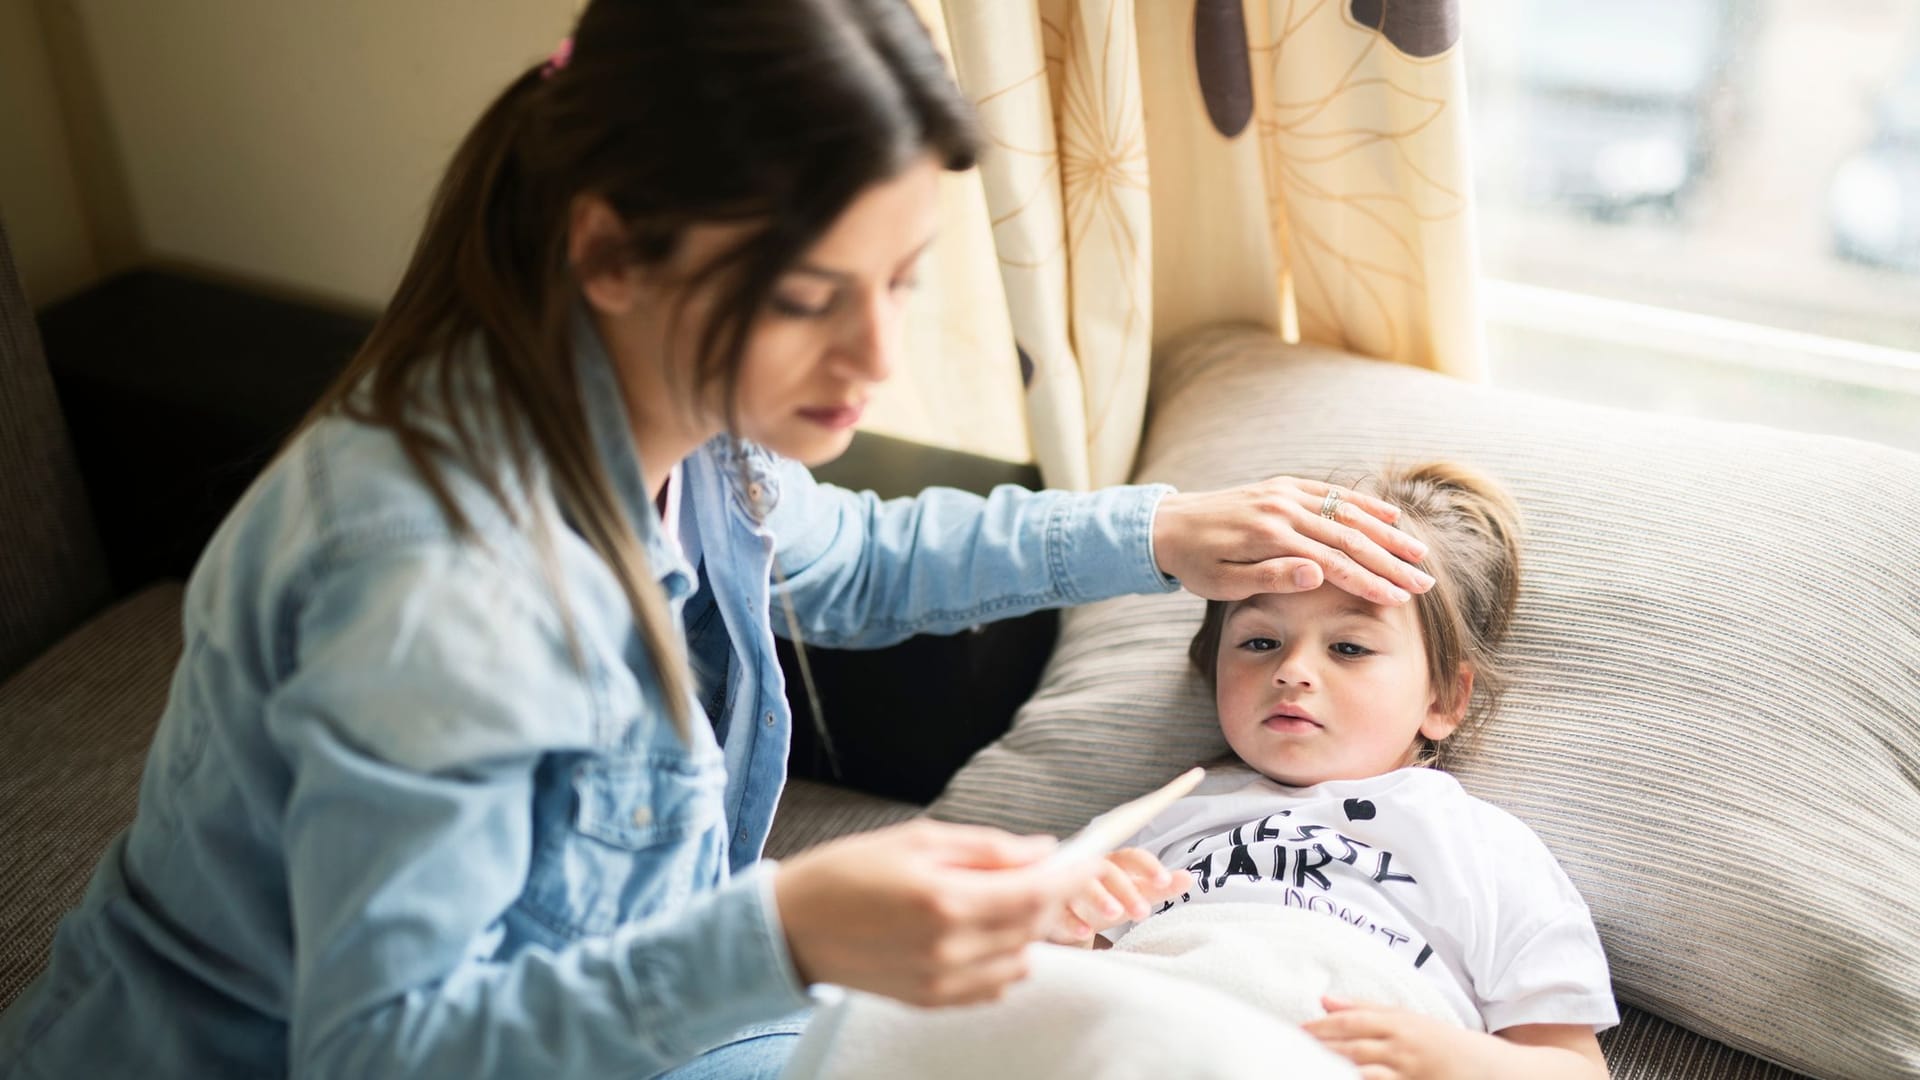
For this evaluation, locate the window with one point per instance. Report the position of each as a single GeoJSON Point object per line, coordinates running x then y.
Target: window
{"type": "Point", "coordinates": [1707, 206]}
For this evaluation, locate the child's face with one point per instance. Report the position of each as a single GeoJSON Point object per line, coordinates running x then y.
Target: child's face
{"type": "Point", "coordinates": [1323, 685]}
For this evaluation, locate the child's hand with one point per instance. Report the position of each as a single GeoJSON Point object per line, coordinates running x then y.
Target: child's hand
{"type": "Point", "coordinates": [1128, 887]}
{"type": "Point", "coordinates": [1395, 1044]}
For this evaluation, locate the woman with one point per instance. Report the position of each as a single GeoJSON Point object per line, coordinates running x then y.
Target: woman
{"type": "Point", "coordinates": [478, 729]}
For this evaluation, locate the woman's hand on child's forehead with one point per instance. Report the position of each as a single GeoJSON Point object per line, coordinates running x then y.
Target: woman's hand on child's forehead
{"type": "Point", "coordinates": [1286, 535]}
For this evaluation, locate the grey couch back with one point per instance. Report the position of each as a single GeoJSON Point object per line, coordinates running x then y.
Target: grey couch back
{"type": "Point", "coordinates": [51, 573]}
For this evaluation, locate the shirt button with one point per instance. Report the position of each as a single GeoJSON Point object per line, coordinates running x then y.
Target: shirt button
{"type": "Point", "coordinates": [769, 719]}
{"type": "Point", "coordinates": [753, 492]}
{"type": "Point", "coordinates": [642, 816]}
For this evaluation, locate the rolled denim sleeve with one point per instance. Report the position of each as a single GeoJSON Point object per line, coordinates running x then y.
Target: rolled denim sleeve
{"type": "Point", "coordinates": [866, 572]}
{"type": "Point", "coordinates": [412, 745]}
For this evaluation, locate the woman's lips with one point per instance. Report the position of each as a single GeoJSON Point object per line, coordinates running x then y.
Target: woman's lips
{"type": "Point", "coordinates": [837, 417]}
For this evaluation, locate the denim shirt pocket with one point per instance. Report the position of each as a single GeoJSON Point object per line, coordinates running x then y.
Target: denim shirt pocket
{"type": "Point", "coordinates": [642, 832]}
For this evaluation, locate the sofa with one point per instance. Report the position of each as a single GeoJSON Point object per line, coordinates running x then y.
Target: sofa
{"type": "Point", "coordinates": [995, 724]}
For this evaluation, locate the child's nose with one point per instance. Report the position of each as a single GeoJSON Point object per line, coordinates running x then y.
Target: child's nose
{"type": "Point", "coordinates": [1292, 668]}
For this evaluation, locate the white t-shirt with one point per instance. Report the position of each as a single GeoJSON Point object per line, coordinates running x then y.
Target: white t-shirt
{"type": "Point", "coordinates": [1461, 889]}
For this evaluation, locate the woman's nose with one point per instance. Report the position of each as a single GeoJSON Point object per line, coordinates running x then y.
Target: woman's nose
{"type": "Point", "coordinates": [873, 337]}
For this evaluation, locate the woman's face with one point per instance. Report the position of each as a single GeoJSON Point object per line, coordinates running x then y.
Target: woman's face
{"type": "Point", "coordinates": [832, 328]}
{"type": "Point", "coordinates": [828, 335]}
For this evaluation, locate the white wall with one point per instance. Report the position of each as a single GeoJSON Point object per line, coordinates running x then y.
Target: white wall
{"type": "Point", "coordinates": [39, 197]}
{"type": "Point", "coordinates": [295, 144]}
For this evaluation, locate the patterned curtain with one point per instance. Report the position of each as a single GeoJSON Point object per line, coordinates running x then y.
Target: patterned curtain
{"type": "Point", "coordinates": [1154, 165]}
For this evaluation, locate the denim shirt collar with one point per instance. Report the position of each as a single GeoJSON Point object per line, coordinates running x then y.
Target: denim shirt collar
{"type": "Point", "coordinates": [607, 424]}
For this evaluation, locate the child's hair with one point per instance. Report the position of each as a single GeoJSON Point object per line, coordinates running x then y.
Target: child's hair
{"type": "Point", "coordinates": [1471, 527]}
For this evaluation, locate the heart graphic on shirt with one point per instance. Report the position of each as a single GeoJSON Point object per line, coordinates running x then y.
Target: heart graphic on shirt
{"type": "Point", "coordinates": [1357, 809]}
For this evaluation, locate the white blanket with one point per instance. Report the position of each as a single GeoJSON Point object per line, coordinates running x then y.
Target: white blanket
{"type": "Point", "coordinates": [1208, 991]}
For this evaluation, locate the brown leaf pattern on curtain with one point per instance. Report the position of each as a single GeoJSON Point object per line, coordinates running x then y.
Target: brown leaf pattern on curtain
{"type": "Point", "coordinates": [1220, 59]}
{"type": "Point", "coordinates": [1103, 169]}
{"type": "Point", "coordinates": [1418, 28]}
{"type": "Point", "coordinates": [1352, 244]}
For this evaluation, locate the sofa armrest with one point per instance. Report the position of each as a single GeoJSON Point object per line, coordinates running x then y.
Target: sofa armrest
{"type": "Point", "coordinates": [177, 390]}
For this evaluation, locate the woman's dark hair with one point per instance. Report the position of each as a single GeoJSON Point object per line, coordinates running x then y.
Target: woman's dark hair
{"type": "Point", "coordinates": [772, 114]}
{"type": "Point", "coordinates": [1471, 527]}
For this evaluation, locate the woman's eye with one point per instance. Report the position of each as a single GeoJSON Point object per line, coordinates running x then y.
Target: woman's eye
{"type": "Point", "coordinates": [1260, 644]}
{"type": "Point", "coordinates": [797, 308]}
{"type": "Point", "coordinates": [1349, 649]}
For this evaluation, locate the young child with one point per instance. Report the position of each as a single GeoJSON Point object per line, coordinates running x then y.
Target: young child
{"type": "Point", "coordinates": [1341, 715]}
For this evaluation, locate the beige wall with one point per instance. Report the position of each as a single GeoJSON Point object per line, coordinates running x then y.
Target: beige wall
{"type": "Point", "coordinates": [296, 146]}
{"type": "Point", "coordinates": [291, 144]}
{"type": "Point", "coordinates": [39, 196]}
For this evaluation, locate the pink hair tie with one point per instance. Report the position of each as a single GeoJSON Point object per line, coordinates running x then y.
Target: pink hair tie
{"type": "Point", "coordinates": [556, 62]}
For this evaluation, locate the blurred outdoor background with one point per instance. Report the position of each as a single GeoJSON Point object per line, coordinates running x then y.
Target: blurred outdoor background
{"type": "Point", "coordinates": [1704, 206]}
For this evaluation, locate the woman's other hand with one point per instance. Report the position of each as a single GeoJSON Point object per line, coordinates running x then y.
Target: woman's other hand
{"type": "Point", "coordinates": [926, 912]}
{"type": "Point", "coordinates": [1130, 884]}
{"type": "Point", "coordinates": [1271, 537]}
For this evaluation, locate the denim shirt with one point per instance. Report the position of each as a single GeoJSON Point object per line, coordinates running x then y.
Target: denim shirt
{"type": "Point", "coordinates": [396, 819]}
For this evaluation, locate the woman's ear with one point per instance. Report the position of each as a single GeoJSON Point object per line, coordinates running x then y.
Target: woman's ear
{"type": "Point", "coordinates": [1441, 722]}
{"type": "Point", "coordinates": [597, 242]}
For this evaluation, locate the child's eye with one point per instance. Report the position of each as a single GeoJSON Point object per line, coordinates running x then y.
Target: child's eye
{"type": "Point", "coordinates": [1350, 650]}
{"type": "Point", "coordinates": [1260, 644]}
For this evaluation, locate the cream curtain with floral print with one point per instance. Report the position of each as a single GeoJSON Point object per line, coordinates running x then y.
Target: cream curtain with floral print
{"type": "Point", "coordinates": [1154, 165]}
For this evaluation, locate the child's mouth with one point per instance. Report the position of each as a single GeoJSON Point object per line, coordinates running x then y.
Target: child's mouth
{"type": "Point", "coordinates": [1289, 724]}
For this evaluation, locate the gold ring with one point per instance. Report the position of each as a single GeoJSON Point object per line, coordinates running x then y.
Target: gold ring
{"type": "Point", "coordinates": [1330, 505]}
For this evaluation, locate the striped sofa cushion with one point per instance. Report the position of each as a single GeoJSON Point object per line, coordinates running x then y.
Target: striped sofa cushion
{"type": "Point", "coordinates": [73, 743]}
{"type": "Point", "coordinates": [51, 572]}
{"type": "Point", "coordinates": [1716, 724]}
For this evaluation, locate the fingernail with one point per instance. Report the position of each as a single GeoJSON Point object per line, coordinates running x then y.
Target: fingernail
{"type": "Point", "coordinates": [1303, 577]}
{"type": "Point", "coordinates": [1163, 879]}
{"type": "Point", "coordinates": [1426, 580]}
{"type": "Point", "coordinates": [1399, 594]}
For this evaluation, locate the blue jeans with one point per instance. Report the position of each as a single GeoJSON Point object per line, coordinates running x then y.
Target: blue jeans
{"type": "Point", "coordinates": [753, 1053]}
